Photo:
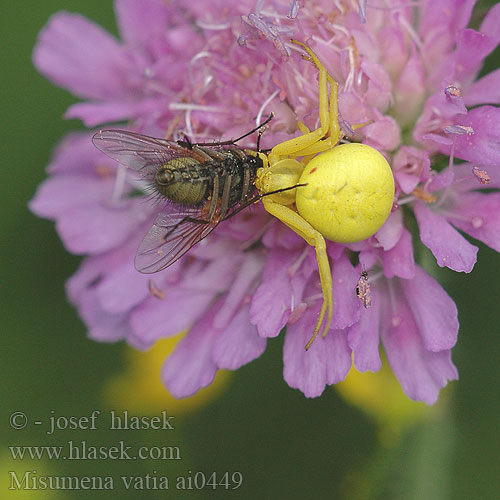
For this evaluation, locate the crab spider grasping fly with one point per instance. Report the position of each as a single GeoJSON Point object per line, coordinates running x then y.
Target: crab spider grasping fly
{"type": "Point", "coordinates": [346, 191]}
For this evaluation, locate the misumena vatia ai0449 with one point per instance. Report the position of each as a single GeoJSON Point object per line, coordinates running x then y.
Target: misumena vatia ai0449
{"type": "Point", "coordinates": [347, 190]}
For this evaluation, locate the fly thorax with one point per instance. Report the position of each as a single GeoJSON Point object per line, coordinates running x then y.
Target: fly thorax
{"type": "Point", "coordinates": [179, 181]}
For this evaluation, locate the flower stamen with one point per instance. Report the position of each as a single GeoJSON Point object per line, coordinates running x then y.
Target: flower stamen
{"type": "Point", "coordinates": [154, 291]}
{"type": "Point", "coordinates": [422, 194]}
{"type": "Point", "coordinates": [296, 313]}
{"type": "Point", "coordinates": [258, 119]}
{"type": "Point", "coordinates": [459, 130]}
{"type": "Point", "coordinates": [296, 265]}
{"type": "Point", "coordinates": [481, 175]}
{"type": "Point", "coordinates": [118, 188]}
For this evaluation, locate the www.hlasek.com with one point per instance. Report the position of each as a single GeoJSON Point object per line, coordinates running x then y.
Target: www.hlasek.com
{"type": "Point", "coordinates": [82, 450]}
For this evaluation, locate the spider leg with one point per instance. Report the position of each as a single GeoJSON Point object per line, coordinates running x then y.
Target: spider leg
{"type": "Point", "coordinates": [295, 222]}
{"type": "Point", "coordinates": [316, 141]}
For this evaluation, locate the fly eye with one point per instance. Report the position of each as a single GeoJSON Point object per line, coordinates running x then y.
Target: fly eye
{"type": "Point", "coordinates": [164, 177]}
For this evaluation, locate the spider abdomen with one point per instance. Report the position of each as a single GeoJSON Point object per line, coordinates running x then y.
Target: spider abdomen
{"type": "Point", "coordinates": [349, 192]}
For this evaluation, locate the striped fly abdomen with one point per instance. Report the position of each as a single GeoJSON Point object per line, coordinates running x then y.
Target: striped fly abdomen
{"type": "Point", "coordinates": [179, 180]}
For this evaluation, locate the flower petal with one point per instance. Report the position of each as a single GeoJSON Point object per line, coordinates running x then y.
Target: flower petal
{"type": "Point", "coordinates": [379, 92]}
{"type": "Point", "coordinates": [122, 288]}
{"type": "Point", "coordinates": [394, 52]}
{"type": "Point", "coordinates": [363, 336]}
{"type": "Point", "coordinates": [98, 228]}
{"type": "Point", "coordinates": [156, 318]}
{"type": "Point", "coordinates": [411, 166]}
{"type": "Point", "coordinates": [483, 146]}
{"type": "Point", "coordinates": [384, 133]}
{"type": "Point", "coordinates": [272, 300]}
{"type": "Point", "coordinates": [486, 90]}
{"type": "Point", "coordinates": [80, 288]}
{"type": "Point", "coordinates": [390, 233]}
{"type": "Point", "coordinates": [398, 261]}
{"type": "Point", "coordinates": [244, 279]}
{"type": "Point", "coordinates": [80, 56]}
{"type": "Point", "coordinates": [440, 22]}
{"type": "Point", "coordinates": [183, 303]}
{"type": "Point", "coordinates": [421, 373]}
{"type": "Point", "coordinates": [449, 247]}
{"type": "Point", "coordinates": [472, 49]}
{"type": "Point", "coordinates": [133, 16]}
{"type": "Point", "coordinates": [327, 361]}
{"type": "Point", "coordinates": [278, 235]}
{"type": "Point", "coordinates": [191, 367]}
{"type": "Point", "coordinates": [477, 214]}
{"type": "Point", "coordinates": [238, 343]}
{"type": "Point", "coordinates": [410, 91]}
{"type": "Point", "coordinates": [76, 154]}
{"type": "Point", "coordinates": [433, 309]}
{"type": "Point", "coordinates": [60, 193]}
{"type": "Point", "coordinates": [346, 305]}
{"type": "Point", "coordinates": [491, 22]}
{"type": "Point", "coordinates": [95, 113]}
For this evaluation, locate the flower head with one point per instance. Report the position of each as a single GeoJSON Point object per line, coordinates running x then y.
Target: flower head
{"type": "Point", "coordinates": [212, 69]}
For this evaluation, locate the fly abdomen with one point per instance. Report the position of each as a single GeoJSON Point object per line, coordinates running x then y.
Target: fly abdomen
{"type": "Point", "coordinates": [179, 180]}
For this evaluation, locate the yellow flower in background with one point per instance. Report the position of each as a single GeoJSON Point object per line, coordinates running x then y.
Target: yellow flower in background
{"type": "Point", "coordinates": [380, 396]}
{"type": "Point", "coordinates": [24, 477]}
{"type": "Point", "coordinates": [139, 389]}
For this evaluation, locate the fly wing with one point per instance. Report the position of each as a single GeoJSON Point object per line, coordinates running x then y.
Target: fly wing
{"type": "Point", "coordinates": [170, 237]}
{"type": "Point", "coordinates": [141, 153]}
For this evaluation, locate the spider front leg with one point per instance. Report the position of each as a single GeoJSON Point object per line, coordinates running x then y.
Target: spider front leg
{"type": "Point", "coordinates": [295, 222]}
{"type": "Point", "coordinates": [316, 141]}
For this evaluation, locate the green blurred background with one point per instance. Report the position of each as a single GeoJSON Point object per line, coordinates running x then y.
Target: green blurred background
{"type": "Point", "coordinates": [284, 445]}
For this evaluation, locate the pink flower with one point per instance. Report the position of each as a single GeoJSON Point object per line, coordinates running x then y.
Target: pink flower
{"type": "Point", "coordinates": [129, 80]}
{"type": "Point", "coordinates": [214, 69]}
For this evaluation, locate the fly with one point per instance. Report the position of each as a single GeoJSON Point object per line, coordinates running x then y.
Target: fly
{"type": "Point", "coordinates": [206, 183]}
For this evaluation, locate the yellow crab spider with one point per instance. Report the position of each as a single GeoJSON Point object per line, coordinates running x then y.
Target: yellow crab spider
{"type": "Point", "coordinates": [347, 190]}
